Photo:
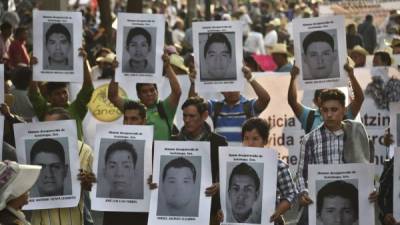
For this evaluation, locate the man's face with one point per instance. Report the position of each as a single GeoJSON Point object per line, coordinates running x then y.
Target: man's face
{"type": "Point", "coordinates": [193, 120]}
{"type": "Point", "coordinates": [120, 172]}
{"type": "Point", "coordinates": [148, 94]}
{"type": "Point", "coordinates": [59, 97]}
{"type": "Point", "coordinates": [242, 195]}
{"type": "Point", "coordinates": [138, 48]}
{"type": "Point", "coordinates": [319, 58]}
{"type": "Point", "coordinates": [332, 113]}
{"type": "Point", "coordinates": [231, 97]}
{"type": "Point", "coordinates": [178, 187]}
{"type": "Point", "coordinates": [217, 59]}
{"type": "Point", "coordinates": [132, 117]}
{"type": "Point", "coordinates": [58, 47]}
{"type": "Point", "coordinates": [358, 58]}
{"type": "Point", "coordinates": [253, 139]}
{"type": "Point", "coordinates": [337, 210]}
{"type": "Point", "coordinates": [52, 175]}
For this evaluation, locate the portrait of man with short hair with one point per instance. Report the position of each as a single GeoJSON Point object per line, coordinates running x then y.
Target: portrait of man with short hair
{"type": "Point", "coordinates": [120, 169]}
{"type": "Point", "coordinates": [319, 55]}
{"type": "Point", "coordinates": [218, 59]}
{"type": "Point", "coordinates": [58, 47]}
{"type": "Point", "coordinates": [139, 50]}
{"type": "Point", "coordinates": [243, 192]}
{"type": "Point", "coordinates": [337, 204]}
{"type": "Point", "coordinates": [50, 154]}
{"type": "Point", "coordinates": [179, 189]}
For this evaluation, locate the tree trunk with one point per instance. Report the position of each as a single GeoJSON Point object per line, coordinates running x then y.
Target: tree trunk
{"type": "Point", "coordinates": [105, 21]}
{"type": "Point", "coordinates": [191, 12]}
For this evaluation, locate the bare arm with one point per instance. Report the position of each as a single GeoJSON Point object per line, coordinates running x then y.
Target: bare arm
{"type": "Point", "coordinates": [282, 207]}
{"type": "Point", "coordinates": [356, 103]}
{"type": "Point", "coordinates": [292, 92]}
{"type": "Point", "coordinates": [112, 94]}
{"type": "Point", "coordinates": [263, 97]}
{"type": "Point", "coordinates": [176, 90]}
{"type": "Point", "coordinates": [192, 77]}
{"type": "Point", "coordinates": [87, 78]}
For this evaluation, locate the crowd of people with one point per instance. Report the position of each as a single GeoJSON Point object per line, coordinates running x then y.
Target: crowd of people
{"type": "Point", "coordinates": [332, 136]}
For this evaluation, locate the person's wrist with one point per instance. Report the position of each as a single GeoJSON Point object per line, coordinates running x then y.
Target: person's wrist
{"type": "Point", "coordinates": [251, 79]}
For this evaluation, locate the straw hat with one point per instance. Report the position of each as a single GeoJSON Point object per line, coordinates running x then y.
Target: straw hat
{"type": "Point", "coordinates": [275, 22]}
{"type": "Point", "coordinates": [395, 42]}
{"type": "Point", "coordinates": [178, 61]}
{"type": "Point", "coordinates": [15, 180]}
{"type": "Point", "coordinates": [359, 49]}
{"type": "Point", "coordinates": [109, 58]}
{"type": "Point", "coordinates": [279, 48]}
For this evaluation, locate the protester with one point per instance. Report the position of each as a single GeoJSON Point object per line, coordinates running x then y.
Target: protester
{"type": "Point", "coordinates": [368, 32]}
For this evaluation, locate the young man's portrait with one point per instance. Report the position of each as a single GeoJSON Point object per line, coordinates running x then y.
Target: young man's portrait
{"type": "Point", "coordinates": [58, 49]}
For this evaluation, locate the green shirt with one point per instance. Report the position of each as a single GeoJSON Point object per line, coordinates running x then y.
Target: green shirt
{"type": "Point", "coordinates": [77, 109]}
{"type": "Point", "coordinates": [161, 131]}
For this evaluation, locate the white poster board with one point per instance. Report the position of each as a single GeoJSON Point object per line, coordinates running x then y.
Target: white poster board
{"type": "Point", "coordinates": [249, 172]}
{"type": "Point", "coordinates": [396, 184]}
{"type": "Point", "coordinates": [182, 170]}
{"type": "Point", "coordinates": [341, 188]}
{"type": "Point", "coordinates": [395, 123]}
{"type": "Point", "coordinates": [122, 164]}
{"type": "Point", "coordinates": [2, 135]}
{"type": "Point", "coordinates": [54, 146]}
{"type": "Point", "coordinates": [57, 37]}
{"type": "Point", "coordinates": [1, 83]}
{"type": "Point", "coordinates": [323, 52]}
{"type": "Point", "coordinates": [140, 45]}
{"type": "Point", "coordinates": [218, 56]}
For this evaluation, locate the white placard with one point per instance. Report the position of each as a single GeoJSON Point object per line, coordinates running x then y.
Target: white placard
{"type": "Point", "coordinates": [245, 197]}
{"type": "Point", "coordinates": [218, 56]}
{"type": "Point", "coordinates": [321, 45]}
{"type": "Point", "coordinates": [54, 146]}
{"type": "Point", "coordinates": [395, 123]}
{"type": "Point", "coordinates": [2, 135]}
{"type": "Point", "coordinates": [396, 185]}
{"type": "Point", "coordinates": [182, 170]}
{"type": "Point", "coordinates": [340, 194]}
{"type": "Point", "coordinates": [140, 44]}
{"type": "Point", "coordinates": [57, 37]}
{"type": "Point", "coordinates": [122, 164]}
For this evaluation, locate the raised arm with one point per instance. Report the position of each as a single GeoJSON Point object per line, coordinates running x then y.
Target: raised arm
{"type": "Point", "coordinates": [176, 90]}
{"type": "Point", "coordinates": [263, 97]}
{"type": "Point", "coordinates": [358, 99]}
{"type": "Point", "coordinates": [112, 92]}
{"type": "Point", "coordinates": [292, 92]}
{"type": "Point", "coordinates": [87, 78]}
{"type": "Point", "coordinates": [192, 77]}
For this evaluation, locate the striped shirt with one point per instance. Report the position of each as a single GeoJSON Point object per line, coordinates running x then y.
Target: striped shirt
{"type": "Point", "coordinates": [66, 216]}
{"type": "Point", "coordinates": [286, 188]}
{"type": "Point", "coordinates": [230, 119]}
{"type": "Point", "coordinates": [320, 146]}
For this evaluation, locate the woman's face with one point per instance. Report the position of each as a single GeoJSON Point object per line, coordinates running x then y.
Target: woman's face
{"type": "Point", "coordinates": [138, 48]}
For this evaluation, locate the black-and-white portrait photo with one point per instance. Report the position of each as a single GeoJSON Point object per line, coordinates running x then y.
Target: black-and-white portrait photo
{"type": "Point", "coordinates": [217, 56]}
{"type": "Point", "coordinates": [52, 155]}
{"type": "Point", "coordinates": [139, 49]}
{"type": "Point", "coordinates": [120, 169]}
{"type": "Point", "coordinates": [337, 202]}
{"type": "Point", "coordinates": [244, 192]}
{"type": "Point", "coordinates": [179, 186]}
{"type": "Point", "coordinates": [58, 46]}
{"type": "Point", "coordinates": [320, 54]}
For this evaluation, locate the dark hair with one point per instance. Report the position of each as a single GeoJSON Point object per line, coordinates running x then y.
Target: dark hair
{"type": "Point", "coordinates": [140, 85]}
{"type": "Point", "coordinates": [61, 112]}
{"type": "Point", "coordinates": [19, 31]}
{"type": "Point", "coordinates": [261, 125]}
{"type": "Point", "coordinates": [369, 17]}
{"type": "Point", "coordinates": [318, 36]}
{"type": "Point", "coordinates": [217, 38]}
{"type": "Point", "coordinates": [49, 146]}
{"type": "Point", "coordinates": [385, 57]}
{"type": "Point", "coordinates": [121, 146]}
{"type": "Point", "coordinates": [52, 86]}
{"type": "Point", "coordinates": [245, 169]}
{"type": "Point", "coordinates": [200, 104]}
{"type": "Point", "coordinates": [5, 26]}
{"type": "Point", "coordinates": [21, 77]}
{"type": "Point", "coordinates": [138, 31]}
{"type": "Point", "coordinates": [338, 188]}
{"type": "Point", "coordinates": [179, 162]}
{"type": "Point", "coordinates": [134, 105]}
{"type": "Point", "coordinates": [332, 94]}
{"type": "Point", "coordinates": [58, 28]}
{"type": "Point", "coordinates": [317, 93]}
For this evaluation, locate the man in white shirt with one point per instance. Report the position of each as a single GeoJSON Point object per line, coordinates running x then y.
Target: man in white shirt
{"type": "Point", "coordinates": [271, 36]}
{"type": "Point", "coordinates": [254, 42]}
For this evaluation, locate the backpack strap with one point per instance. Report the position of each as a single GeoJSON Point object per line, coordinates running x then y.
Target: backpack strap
{"type": "Point", "coordinates": [217, 111]}
{"type": "Point", "coordinates": [309, 121]}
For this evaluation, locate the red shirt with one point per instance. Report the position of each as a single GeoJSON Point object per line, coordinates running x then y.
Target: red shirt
{"type": "Point", "coordinates": [18, 53]}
